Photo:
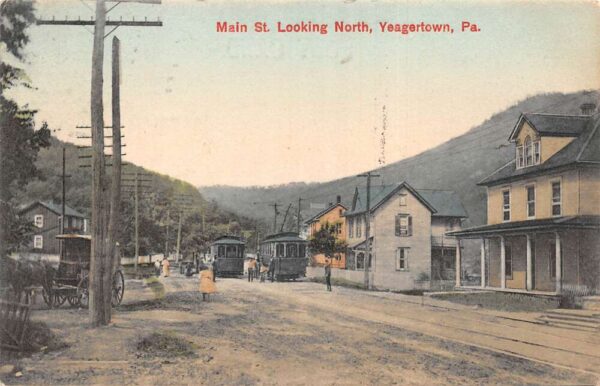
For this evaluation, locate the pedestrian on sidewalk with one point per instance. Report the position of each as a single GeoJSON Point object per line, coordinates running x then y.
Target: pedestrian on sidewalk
{"type": "Point", "coordinates": [328, 274]}
{"type": "Point", "coordinates": [207, 284]}
{"type": "Point", "coordinates": [165, 267]}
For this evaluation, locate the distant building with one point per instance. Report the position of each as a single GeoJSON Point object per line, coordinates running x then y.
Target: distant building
{"type": "Point", "coordinates": [334, 216]}
{"type": "Point", "coordinates": [543, 209]}
{"type": "Point", "coordinates": [46, 218]}
{"type": "Point", "coordinates": [407, 235]}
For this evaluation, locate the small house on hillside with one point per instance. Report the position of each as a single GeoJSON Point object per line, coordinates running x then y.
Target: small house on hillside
{"type": "Point", "coordinates": [334, 216]}
{"type": "Point", "coordinates": [407, 235]}
{"type": "Point", "coordinates": [543, 229]}
{"type": "Point", "coordinates": [46, 218]}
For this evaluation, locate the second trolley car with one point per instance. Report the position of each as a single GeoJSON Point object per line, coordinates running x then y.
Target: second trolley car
{"type": "Point", "coordinates": [228, 252]}
{"type": "Point", "coordinates": [286, 252]}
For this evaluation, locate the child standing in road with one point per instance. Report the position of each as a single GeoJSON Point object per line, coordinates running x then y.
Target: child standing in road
{"type": "Point", "coordinates": [207, 285]}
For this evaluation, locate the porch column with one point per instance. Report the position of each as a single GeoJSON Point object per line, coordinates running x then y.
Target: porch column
{"type": "Point", "coordinates": [502, 263]}
{"type": "Point", "coordinates": [529, 265]}
{"type": "Point", "coordinates": [458, 262]}
{"type": "Point", "coordinates": [558, 264]}
{"type": "Point", "coordinates": [482, 263]}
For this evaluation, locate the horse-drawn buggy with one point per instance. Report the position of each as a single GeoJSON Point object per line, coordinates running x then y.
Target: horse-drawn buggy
{"type": "Point", "coordinates": [71, 279]}
{"type": "Point", "coordinates": [285, 254]}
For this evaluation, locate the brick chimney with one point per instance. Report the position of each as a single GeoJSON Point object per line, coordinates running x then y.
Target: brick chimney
{"type": "Point", "coordinates": [338, 199]}
{"type": "Point", "coordinates": [587, 108]}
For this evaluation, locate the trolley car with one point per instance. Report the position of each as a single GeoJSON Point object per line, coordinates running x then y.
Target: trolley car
{"type": "Point", "coordinates": [286, 251]}
{"type": "Point", "coordinates": [70, 283]}
{"type": "Point", "coordinates": [228, 252]}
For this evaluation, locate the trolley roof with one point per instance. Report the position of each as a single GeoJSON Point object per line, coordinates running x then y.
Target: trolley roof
{"type": "Point", "coordinates": [229, 239]}
{"type": "Point", "coordinates": [283, 237]}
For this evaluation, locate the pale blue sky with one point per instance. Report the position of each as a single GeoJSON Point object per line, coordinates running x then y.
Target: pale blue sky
{"type": "Point", "coordinates": [251, 109]}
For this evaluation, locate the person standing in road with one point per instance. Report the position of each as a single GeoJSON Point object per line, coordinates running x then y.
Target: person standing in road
{"type": "Point", "coordinates": [328, 274]}
{"type": "Point", "coordinates": [251, 268]}
{"type": "Point", "coordinates": [157, 268]}
{"type": "Point", "coordinates": [207, 284]}
{"type": "Point", "coordinates": [165, 266]}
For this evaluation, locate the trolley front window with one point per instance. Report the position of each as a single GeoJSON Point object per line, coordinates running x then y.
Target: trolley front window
{"type": "Point", "coordinates": [221, 251]}
{"type": "Point", "coordinates": [302, 250]}
{"type": "Point", "coordinates": [279, 249]}
{"type": "Point", "coordinates": [231, 251]}
{"type": "Point", "coordinates": [292, 250]}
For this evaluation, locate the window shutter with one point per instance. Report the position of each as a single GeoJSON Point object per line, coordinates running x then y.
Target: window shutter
{"type": "Point", "coordinates": [397, 226]}
{"type": "Point", "coordinates": [410, 225]}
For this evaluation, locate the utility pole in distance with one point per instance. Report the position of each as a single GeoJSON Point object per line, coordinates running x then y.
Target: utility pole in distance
{"type": "Point", "coordinates": [367, 281]}
{"type": "Point", "coordinates": [276, 212]}
{"type": "Point", "coordinates": [298, 214]}
{"type": "Point", "coordinates": [100, 277]}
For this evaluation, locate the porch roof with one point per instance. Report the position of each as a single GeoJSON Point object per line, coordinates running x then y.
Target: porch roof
{"type": "Point", "coordinates": [556, 223]}
{"type": "Point", "coordinates": [359, 244]}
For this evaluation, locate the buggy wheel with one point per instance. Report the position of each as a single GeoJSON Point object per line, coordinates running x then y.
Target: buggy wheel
{"type": "Point", "coordinates": [118, 288]}
{"type": "Point", "coordinates": [48, 297]}
{"type": "Point", "coordinates": [59, 299]}
{"type": "Point", "coordinates": [83, 295]}
{"type": "Point", "coordinates": [73, 301]}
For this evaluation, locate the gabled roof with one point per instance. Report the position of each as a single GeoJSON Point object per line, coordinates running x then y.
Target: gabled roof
{"type": "Point", "coordinates": [552, 125]}
{"type": "Point", "coordinates": [56, 208]}
{"type": "Point", "coordinates": [439, 202]}
{"type": "Point", "coordinates": [317, 216]}
{"type": "Point", "coordinates": [582, 151]}
{"type": "Point", "coordinates": [446, 202]}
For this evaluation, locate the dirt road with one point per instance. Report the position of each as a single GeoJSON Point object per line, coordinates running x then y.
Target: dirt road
{"type": "Point", "coordinates": [297, 333]}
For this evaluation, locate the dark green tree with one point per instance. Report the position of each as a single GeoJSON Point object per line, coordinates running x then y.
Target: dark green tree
{"type": "Point", "coordinates": [20, 141]}
{"type": "Point", "coordinates": [325, 242]}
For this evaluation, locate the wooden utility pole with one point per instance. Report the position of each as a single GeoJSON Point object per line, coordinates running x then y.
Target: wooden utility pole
{"type": "Point", "coordinates": [115, 205]}
{"type": "Point", "coordinates": [298, 214]}
{"type": "Point", "coordinates": [275, 205]}
{"type": "Point", "coordinates": [99, 286]}
{"type": "Point", "coordinates": [179, 236]}
{"type": "Point", "coordinates": [367, 249]}
{"type": "Point", "coordinates": [167, 239]}
{"type": "Point", "coordinates": [100, 277]}
{"type": "Point", "coordinates": [137, 226]}
{"type": "Point", "coordinates": [285, 217]}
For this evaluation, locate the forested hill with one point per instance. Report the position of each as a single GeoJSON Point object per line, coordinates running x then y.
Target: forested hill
{"type": "Point", "coordinates": [202, 221]}
{"type": "Point", "coordinates": [457, 164]}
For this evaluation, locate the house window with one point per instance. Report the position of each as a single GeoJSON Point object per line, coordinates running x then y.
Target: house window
{"type": "Point", "coordinates": [338, 229]}
{"type": "Point", "coordinates": [279, 250]}
{"type": "Point", "coordinates": [350, 228]}
{"type": "Point", "coordinates": [403, 200]}
{"type": "Point", "coordinates": [556, 199]}
{"type": "Point", "coordinates": [38, 220]}
{"type": "Point", "coordinates": [359, 222]}
{"type": "Point", "coordinates": [403, 225]}
{"type": "Point", "coordinates": [506, 205]}
{"type": "Point", "coordinates": [402, 259]}
{"type": "Point", "coordinates": [38, 241]}
{"type": "Point", "coordinates": [528, 152]}
{"type": "Point", "coordinates": [536, 152]}
{"type": "Point", "coordinates": [520, 157]}
{"type": "Point", "coordinates": [531, 201]}
{"type": "Point", "coordinates": [360, 261]}
{"type": "Point", "coordinates": [508, 265]}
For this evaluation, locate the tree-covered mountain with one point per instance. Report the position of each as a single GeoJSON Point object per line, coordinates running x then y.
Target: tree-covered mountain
{"type": "Point", "coordinates": [457, 164]}
{"type": "Point", "coordinates": [160, 204]}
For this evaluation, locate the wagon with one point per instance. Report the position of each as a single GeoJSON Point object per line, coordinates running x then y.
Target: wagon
{"type": "Point", "coordinates": [71, 280]}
